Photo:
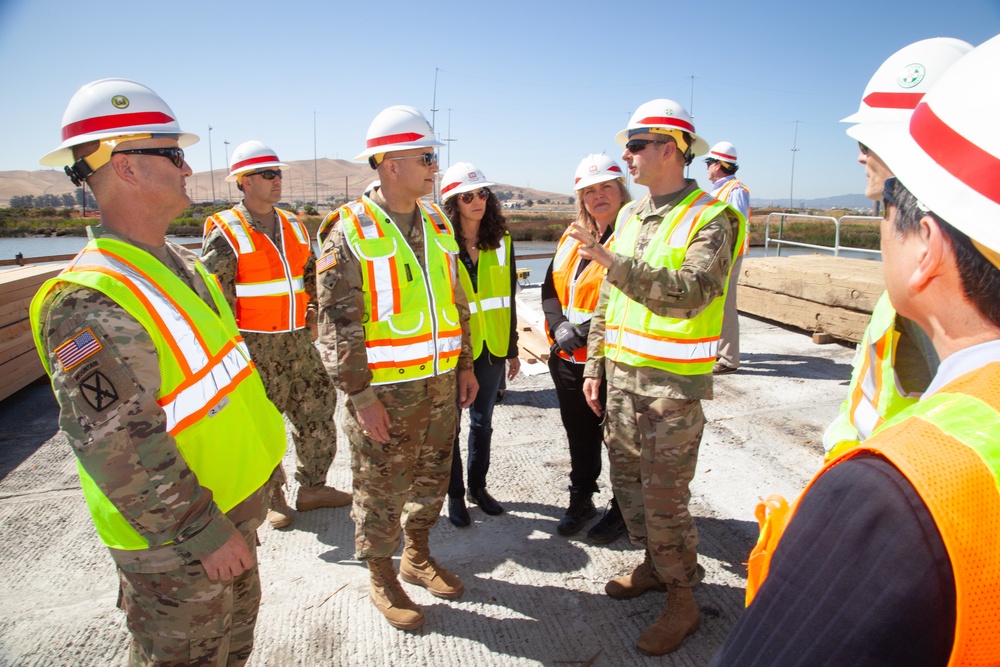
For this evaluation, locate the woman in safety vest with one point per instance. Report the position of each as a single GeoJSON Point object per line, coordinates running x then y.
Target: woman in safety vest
{"type": "Point", "coordinates": [569, 296]}
{"type": "Point", "coordinates": [488, 276]}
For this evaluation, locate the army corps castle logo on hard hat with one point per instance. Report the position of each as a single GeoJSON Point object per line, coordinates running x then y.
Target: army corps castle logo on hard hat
{"type": "Point", "coordinates": [119, 102]}
{"type": "Point", "coordinates": [911, 75]}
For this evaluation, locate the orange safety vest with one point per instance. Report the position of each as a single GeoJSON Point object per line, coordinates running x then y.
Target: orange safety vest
{"type": "Point", "coordinates": [577, 294]}
{"type": "Point", "coordinates": [270, 287]}
{"type": "Point", "coordinates": [948, 447]}
{"type": "Point", "coordinates": [723, 195]}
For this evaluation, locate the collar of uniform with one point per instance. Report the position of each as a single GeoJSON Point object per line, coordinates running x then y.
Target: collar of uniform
{"type": "Point", "coordinates": [649, 207]}
{"type": "Point", "coordinates": [722, 181]}
{"type": "Point", "coordinates": [245, 212]}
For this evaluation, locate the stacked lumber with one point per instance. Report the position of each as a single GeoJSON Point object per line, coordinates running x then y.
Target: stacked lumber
{"type": "Point", "coordinates": [19, 362]}
{"type": "Point", "coordinates": [817, 293]}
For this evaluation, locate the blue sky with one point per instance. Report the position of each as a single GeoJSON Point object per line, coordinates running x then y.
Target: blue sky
{"type": "Point", "coordinates": [525, 89]}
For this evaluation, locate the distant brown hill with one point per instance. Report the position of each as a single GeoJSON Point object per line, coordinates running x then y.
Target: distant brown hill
{"type": "Point", "coordinates": [333, 178]}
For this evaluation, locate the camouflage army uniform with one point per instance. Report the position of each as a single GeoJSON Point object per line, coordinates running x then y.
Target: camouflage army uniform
{"type": "Point", "coordinates": [401, 482]}
{"type": "Point", "coordinates": [654, 421]}
{"type": "Point", "coordinates": [109, 412]}
{"type": "Point", "coordinates": [289, 364]}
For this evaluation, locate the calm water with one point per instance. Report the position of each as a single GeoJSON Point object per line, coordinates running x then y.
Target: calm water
{"type": "Point", "coordinates": [55, 245]}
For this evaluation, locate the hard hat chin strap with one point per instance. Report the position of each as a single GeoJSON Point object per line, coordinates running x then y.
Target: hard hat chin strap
{"type": "Point", "coordinates": [85, 167]}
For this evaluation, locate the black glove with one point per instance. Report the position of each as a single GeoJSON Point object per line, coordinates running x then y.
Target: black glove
{"type": "Point", "coordinates": [568, 338]}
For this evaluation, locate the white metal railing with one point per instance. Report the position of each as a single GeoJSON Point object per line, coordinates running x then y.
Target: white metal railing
{"type": "Point", "coordinates": [835, 249]}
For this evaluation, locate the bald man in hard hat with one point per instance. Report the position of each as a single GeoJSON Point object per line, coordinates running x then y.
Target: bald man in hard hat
{"type": "Point", "coordinates": [654, 335]}
{"type": "Point", "coordinates": [265, 264]}
{"type": "Point", "coordinates": [394, 329]}
{"type": "Point", "coordinates": [169, 421]}
{"type": "Point", "coordinates": [722, 167]}
{"type": "Point", "coordinates": [891, 556]}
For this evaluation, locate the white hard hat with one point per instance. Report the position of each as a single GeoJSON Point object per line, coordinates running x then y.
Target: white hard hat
{"type": "Point", "coordinates": [370, 188]}
{"type": "Point", "coordinates": [948, 156]}
{"type": "Point", "coordinates": [398, 128]}
{"type": "Point", "coordinates": [596, 168]}
{"type": "Point", "coordinates": [251, 156]}
{"type": "Point", "coordinates": [904, 78]}
{"type": "Point", "coordinates": [664, 116]}
{"type": "Point", "coordinates": [462, 177]}
{"type": "Point", "coordinates": [723, 151]}
{"type": "Point", "coordinates": [113, 108]}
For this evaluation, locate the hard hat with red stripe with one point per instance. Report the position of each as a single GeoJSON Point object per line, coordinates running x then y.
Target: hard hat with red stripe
{"type": "Point", "coordinates": [462, 177]}
{"type": "Point", "coordinates": [596, 168]}
{"type": "Point", "coordinates": [663, 116]}
{"type": "Point", "coordinates": [904, 78]}
{"type": "Point", "coordinates": [948, 155]}
{"type": "Point", "coordinates": [110, 108]}
{"type": "Point", "coordinates": [250, 156]}
{"type": "Point", "coordinates": [723, 152]}
{"type": "Point", "coordinates": [398, 128]}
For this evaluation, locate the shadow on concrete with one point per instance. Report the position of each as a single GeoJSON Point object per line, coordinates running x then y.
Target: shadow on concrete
{"type": "Point", "coordinates": [28, 418]}
{"type": "Point", "coordinates": [792, 366]}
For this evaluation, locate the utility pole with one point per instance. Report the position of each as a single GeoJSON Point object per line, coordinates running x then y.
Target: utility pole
{"type": "Point", "coordinates": [229, 186]}
{"type": "Point", "coordinates": [211, 169]}
{"type": "Point", "coordinates": [791, 187]}
{"type": "Point", "coordinates": [315, 167]}
{"type": "Point", "coordinates": [449, 139]}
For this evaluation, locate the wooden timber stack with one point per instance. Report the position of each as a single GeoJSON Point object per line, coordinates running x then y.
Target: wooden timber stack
{"type": "Point", "coordinates": [817, 293]}
{"type": "Point", "coordinates": [19, 362]}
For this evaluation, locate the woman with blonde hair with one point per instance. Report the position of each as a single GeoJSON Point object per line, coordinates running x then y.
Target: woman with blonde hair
{"type": "Point", "coordinates": [569, 297]}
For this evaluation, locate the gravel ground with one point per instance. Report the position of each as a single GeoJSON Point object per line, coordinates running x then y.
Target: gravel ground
{"type": "Point", "coordinates": [532, 597]}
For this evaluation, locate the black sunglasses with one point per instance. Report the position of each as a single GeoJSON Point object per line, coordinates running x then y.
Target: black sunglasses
{"type": "Point", "coordinates": [710, 161]}
{"type": "Point", "coordinates": [639, 145]}
{"type": "Point", "coordinates": [428, 158]}
{"type": "Point", "coordinates": [267, 174]}
{"type": "Point", "coordinates": [467, 197]}
{"type": "Point", "coordinates": [175, 155]}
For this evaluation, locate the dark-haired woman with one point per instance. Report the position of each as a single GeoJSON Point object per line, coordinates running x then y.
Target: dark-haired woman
{"type": "Point", "coordinates": [488, 276]}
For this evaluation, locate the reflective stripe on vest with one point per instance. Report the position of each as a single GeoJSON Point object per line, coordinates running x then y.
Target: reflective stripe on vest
{"type": "Point", "coordinates": [723, 195]}
{"type": "Point", "coordinates": [633, 335]}
{"type": "Point", "coordinates": [229, 434]}
{"type": "Point", "coordinates": [577, 294]}
{"type": "Point", "coordinates": [948, 447]}
{"type": "Point", "coordinates": [412, 329]}
{"type": "Point", "coordinates": [875, 393]}
{"type": "Point", "coordinates": [489, 307]}
{"type": "Point", "coordinates": [270, 288]}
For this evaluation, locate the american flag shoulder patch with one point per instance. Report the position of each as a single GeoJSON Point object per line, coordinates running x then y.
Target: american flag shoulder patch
{"type": "Point", "coordinates": [327, 261]}
{"type": "Point", "coordinates": [77, 349]}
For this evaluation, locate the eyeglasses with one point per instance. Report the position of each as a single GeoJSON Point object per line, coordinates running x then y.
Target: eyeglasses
{"type": "Point", "coordinates": [266, 174]}
{"type": "Point", "coordinates": [864, 149]}
{"type": "Point", "coordinates": [428, 158]}
{"type": "Point", "coordinates": [639, 145]}
{"type": "Point", "coordinates": [467, 197]}
{"type": "Point", "coordinates": [889, 192]}
{"type": "Point", "coordinates": [175, 155]}
{"type": "Point", "coordinates": [710, 161]}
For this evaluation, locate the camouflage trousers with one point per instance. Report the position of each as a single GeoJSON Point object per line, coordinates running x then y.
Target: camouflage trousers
{"type": "Point", "coordinates": [653, 450]}
{"type": "Point", "coordinates": [401, 484]}
{"type": "Point", "coordinates": [181, 618]}
{"type": "Point", "coordinates": [299, 386]}
{"type": "Point", "coordinates": [729, 343]}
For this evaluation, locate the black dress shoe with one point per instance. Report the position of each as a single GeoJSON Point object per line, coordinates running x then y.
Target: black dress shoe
{"type": "Point", "coordinates": [485, 501]}
{"type": "Point", "coordinates": [457, 514]}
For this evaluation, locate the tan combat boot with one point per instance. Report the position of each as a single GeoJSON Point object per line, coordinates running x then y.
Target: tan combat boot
{"type": "Point", "coordinates": [642, 579]}
{"type": "Point", "coordinates": [419, 568]}
{"type": "Point", "coordinates": [314, 497]}
{"type": "Point", "coordinates": [679, 619]}
{"type": "Point", "coordinates": [279, 514]}
{"type": "Point", "coordinates": [390, 598]}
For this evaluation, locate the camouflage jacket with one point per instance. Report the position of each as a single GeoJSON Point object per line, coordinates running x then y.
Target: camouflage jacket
{"type": "Point", "coordinates": [118, 430]}
{"type": "Point", "coordinates": [700, 279]}
{"type": "Point", "coordinates": [341, 310]}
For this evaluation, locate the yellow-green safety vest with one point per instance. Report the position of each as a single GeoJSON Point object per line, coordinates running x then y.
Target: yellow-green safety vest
{"type": "Point", "coordinates": [230, 435]}
{"type": "Point", "coordinates": [490, 306]}
{"type": "Point", "coordinates": [875, 393]}
{"type": "Point", "coordinates": [634, 335]}
{"type": "Point", "coordinates": [411, 323]}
